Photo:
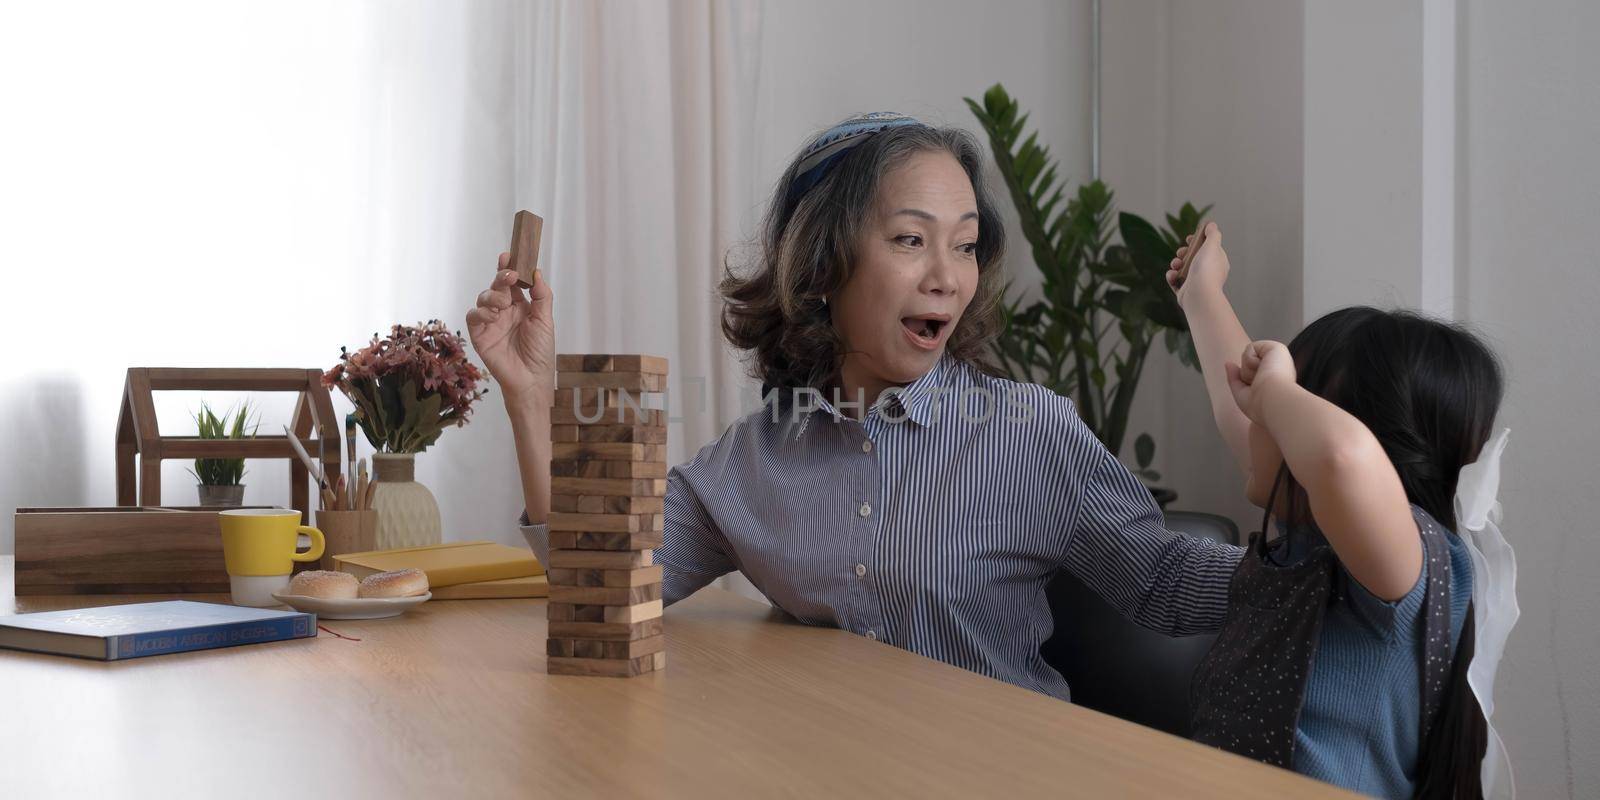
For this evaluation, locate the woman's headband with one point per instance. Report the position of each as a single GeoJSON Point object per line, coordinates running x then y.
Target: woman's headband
{"type": "Point", "coordinates": [826, 150]}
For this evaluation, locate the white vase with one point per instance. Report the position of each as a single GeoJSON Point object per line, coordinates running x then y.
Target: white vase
{"type": "Point", "coordinates": [408, 516]}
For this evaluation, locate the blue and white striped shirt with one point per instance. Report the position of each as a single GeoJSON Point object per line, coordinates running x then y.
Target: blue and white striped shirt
{"type": "Point", "coordinates": [934, 524]}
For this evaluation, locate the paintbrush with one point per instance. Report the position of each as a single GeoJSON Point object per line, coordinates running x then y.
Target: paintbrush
{"type": "Point", "coordinates": [350, 457]}
{"type": "Point", "coordinates": [361, 484]}
{"type": "Point", "coordinates": [312, 466]}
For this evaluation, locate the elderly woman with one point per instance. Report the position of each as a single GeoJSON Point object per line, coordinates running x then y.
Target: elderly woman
{"type": "Point", "coordinates": [891, 486]}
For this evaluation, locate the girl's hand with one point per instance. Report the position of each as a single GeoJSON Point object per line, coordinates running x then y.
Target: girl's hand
{"type": "Point", "coordinates": [1262, 364]}
{"type": "Point", "coordinates": [1207, 272]}
{"type": "Point", "coordinates": [515, 336]}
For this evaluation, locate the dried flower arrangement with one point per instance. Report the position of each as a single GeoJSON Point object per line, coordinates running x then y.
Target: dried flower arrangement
{"type": "Point", "coordinates": [409, 386]}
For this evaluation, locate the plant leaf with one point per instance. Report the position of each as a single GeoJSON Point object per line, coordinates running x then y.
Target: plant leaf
{"type": "Point", "coordinates": [1144, 450]}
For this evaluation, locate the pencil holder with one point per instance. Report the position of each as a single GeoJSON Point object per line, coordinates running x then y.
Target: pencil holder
{"type": "Point", "coordinates": [347, 532]}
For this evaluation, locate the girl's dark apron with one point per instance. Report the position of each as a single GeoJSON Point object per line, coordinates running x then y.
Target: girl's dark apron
{"type": "Point", "coordinates": [1248, 690]}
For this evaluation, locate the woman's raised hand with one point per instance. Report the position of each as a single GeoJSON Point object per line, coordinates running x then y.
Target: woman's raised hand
{"type": "Point", "coordinates": [514, 333]}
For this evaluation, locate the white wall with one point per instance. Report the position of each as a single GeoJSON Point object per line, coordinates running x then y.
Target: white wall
{"type": "Point", "coordinates": [1530, 276]}
{"type": "Point", "coordinates": [824, 61]}
{"type": "Point", "coordinates": [1202, 102]}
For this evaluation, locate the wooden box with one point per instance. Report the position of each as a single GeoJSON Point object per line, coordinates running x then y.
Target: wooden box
{"type": "Point", "coordinates": [121, 550]}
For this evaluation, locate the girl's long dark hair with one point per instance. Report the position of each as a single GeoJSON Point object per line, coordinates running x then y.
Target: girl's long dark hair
{"type": "Point", "coordinates": [1429, 391]}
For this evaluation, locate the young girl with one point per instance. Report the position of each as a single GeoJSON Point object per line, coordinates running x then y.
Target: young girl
{"type": "Point", "coordinates": [1345, 650]}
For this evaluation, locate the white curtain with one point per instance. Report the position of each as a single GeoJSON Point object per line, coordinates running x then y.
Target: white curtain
{"type": "Point", "coordinates": [217, 184]}
{"type": "Point", "coordinates": [635, 132]}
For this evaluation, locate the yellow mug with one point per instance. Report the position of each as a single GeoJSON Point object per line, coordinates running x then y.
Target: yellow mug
{"type": "Point", "coordinates": [259, 548]}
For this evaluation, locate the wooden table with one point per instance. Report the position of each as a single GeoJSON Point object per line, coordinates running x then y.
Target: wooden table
{"type": "Point", "coordinates": [452, 700]}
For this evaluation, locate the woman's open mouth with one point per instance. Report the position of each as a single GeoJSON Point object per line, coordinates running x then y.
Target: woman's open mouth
{"type": "Point", "coordinates": [925, 330]}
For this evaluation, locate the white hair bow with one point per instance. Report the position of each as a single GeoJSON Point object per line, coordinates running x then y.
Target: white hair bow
{"type": "Point", "coordinates": [1494, 595]}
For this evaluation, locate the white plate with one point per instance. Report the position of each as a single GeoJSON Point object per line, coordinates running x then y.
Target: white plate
{"type": "Point", "coordinates": [355, 608]}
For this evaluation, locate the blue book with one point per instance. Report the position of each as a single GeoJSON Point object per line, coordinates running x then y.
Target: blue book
{"type": "Point", "coordinates": [112, 633]}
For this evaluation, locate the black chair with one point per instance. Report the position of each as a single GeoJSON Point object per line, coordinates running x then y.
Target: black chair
{"type": "Point", "coordinates": [1115, 666]}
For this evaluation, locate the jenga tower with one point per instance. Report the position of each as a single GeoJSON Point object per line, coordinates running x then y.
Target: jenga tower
{"type": "Point", "coordinates": [608, 471]}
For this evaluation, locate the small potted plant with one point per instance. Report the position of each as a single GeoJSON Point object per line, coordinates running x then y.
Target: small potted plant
{"type": "Point", "coordinates": [407, 388]}
{"type": "Point", "coordinates": [219, 477]}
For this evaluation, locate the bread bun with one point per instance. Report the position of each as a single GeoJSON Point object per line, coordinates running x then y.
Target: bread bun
{"type": "Point", "coordinates": [397, 583]}
{"type": "Point", "coordinates": [325, 584]}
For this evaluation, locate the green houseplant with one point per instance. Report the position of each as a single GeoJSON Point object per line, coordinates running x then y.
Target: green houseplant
{"type": "Point", "coordinates": [1103, 301]}
{"type": "Point", "coordinates": [219, 477]}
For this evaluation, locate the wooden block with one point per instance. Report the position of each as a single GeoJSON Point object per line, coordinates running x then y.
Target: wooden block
{"type": "Point", "coordinates": [630, 615]}
{"type": "Point", "coordinates": [596, 540]}
{"type": "Point", "coordinates": [642, 434]}
{"type": "Point", "coordinates": [604, 523]}
{"type": "Point", "coordinates": [600, 648]}
{"type": "Point", "coordinates": [594, 415]}
{"type": "Point", "coordinates": [634, 614]}
{"type": "Point", "coordinates": [608, 451]}
{"type": "Point", "coordinates": [605, 595]}
{"type": "Point", "coordinates": [594, 504]}
{"type": "Point", "coordinates": [609, 486]}
{"type": "Point", "coordinates": [601, 667]}
{"type": "Point", "coordinates": [592, 402]}
{"type": "Point", "coordinates": [525, 230]}
{"type": "Point", "coordinates": [600, 362]}
{"type": "Point", "coordinates": [563, 433]}
{"type": "Point", "coordinates": [629, 381]}
{"type": "Point", "coordinates": [600, 559]}
{"type": "Point", "coordinates": [614, 578]}
{"type": "Point", "coordinates": [570, 468]}
{"type": "Point", "coordinates": [660, 661]}
{"type": "Point", "coordinates": [610, 631]}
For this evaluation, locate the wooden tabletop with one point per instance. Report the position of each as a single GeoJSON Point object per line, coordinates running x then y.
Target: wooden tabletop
{"type": "Point", "coordinates": [452, 699]}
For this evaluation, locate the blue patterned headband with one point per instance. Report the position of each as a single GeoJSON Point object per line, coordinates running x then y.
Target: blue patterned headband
{"type": "Point", "coordinates": [827, 149]}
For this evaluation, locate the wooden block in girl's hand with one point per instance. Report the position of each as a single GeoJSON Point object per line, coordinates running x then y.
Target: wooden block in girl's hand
{"type": "Point", "coordinates": [567, 468]}
{"type": "Point", "coordinates": [605, 523]}
{"type": "Point", "coordinates": [1188, 256]}
{"type": "Point", "coordinates": [590, 413]}
{"type": "Point", "coordinates": [525, 230]}
{"type": "Point", "coordinates": [611, 631]}
{"type": "Point", "coordinates": [603, 667]}
{"type": "Point", "coordinates": [600, 362]}
{"type": "Point", "coordinates": [590, 540]}
{"type": "Point", "coordinates": [600, 559]}
{"type": "Point", "coordinates": [600, 648]}
{"type": "Point", "coordinates": [614, 578]}
{"type": "Point", "coordinates": [623, 615]}
{"type": "Point", "coordinates": [641, 434]}
{"type": "Point", "coordinates": [628, 381]}
{"type": "Point", "coordinates": [609, 451]}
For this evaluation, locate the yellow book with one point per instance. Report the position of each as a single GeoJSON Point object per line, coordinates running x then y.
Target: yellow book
{"type": "Point", "coordinates": [447, 564]}
{"type": "Point", "coordinates": [510, 588]}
